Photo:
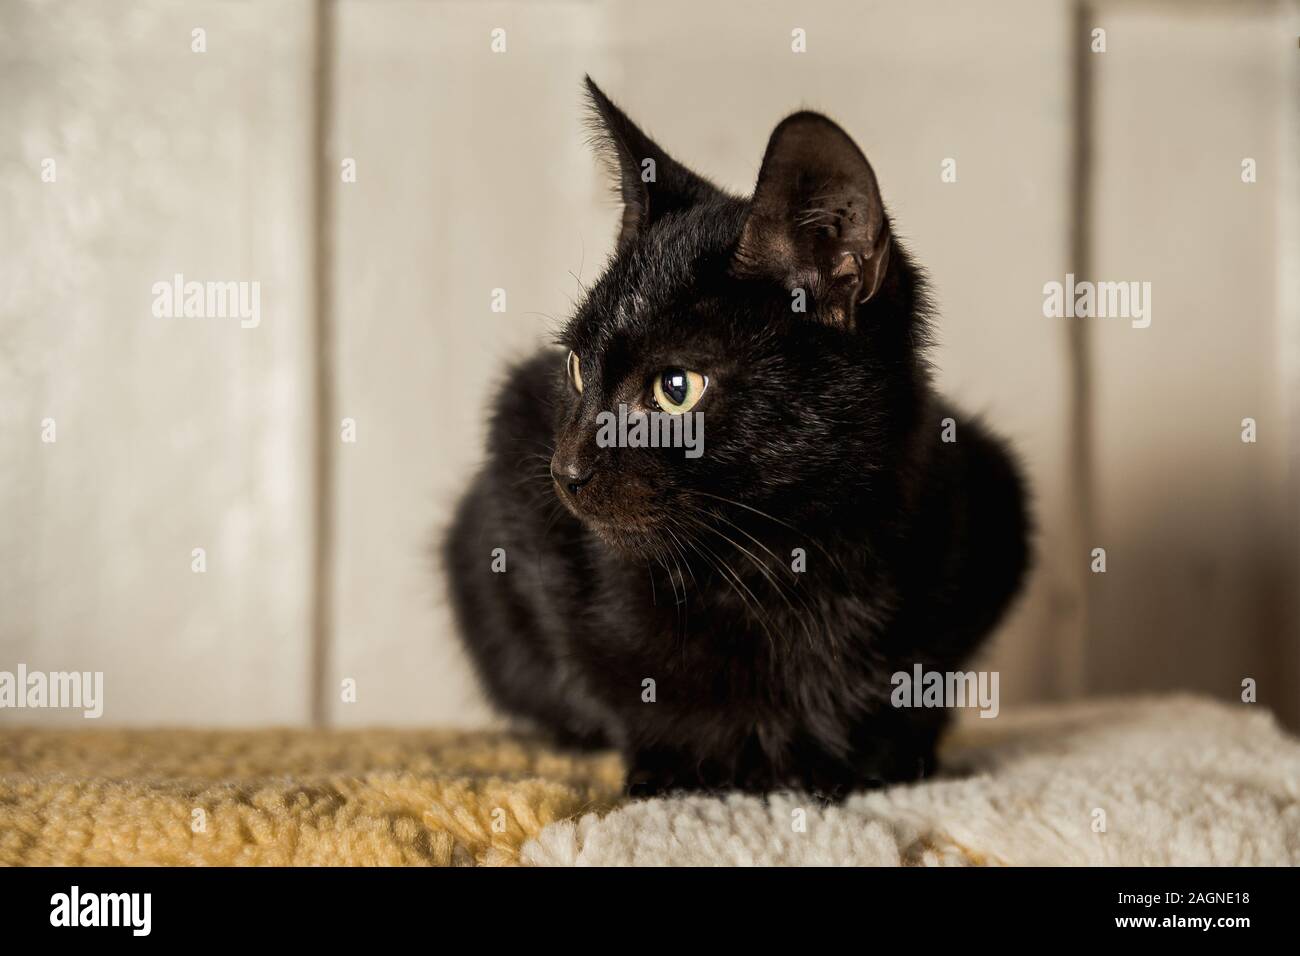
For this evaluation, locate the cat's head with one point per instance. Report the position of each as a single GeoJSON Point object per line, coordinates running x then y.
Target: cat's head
{"type": "Point", "coordinates": [788, 323]}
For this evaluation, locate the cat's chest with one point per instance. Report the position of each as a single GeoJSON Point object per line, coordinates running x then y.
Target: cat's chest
{"type": "Point", "coordinates": [721, 646]}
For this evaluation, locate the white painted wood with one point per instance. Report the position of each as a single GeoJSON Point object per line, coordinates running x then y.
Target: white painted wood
{"type": "Point", "coordinates": [1200, 528]}
{"type": "Point", "coordinates": [172, 434]}
{"type": "Point", "coordinates": [474, 174]}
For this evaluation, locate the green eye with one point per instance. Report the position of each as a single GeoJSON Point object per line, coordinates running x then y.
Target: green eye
{"type": "Point", "coordinates": [575, 371]}
{"type": "Point", "coordinates": [676, 390]}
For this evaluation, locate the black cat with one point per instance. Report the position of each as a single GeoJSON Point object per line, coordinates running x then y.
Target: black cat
{"type": "Point", "coordinates": [733, 620]}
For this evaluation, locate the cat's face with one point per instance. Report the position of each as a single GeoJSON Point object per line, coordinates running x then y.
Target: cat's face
{"type": "Point", "coordinates": [767, 340]}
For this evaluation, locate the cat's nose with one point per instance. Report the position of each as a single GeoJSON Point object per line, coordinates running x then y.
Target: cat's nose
{"type": "Point", "coordinates": [570, 474]}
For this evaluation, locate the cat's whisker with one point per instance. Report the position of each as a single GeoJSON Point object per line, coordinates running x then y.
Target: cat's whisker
{"type": "Point", "coordinates": [556, 510]}
{"type": "Point", "coordinates": [763, 569]}
{"type": "Point", "coordinates": [546, 459]}
{"type": "Point", "coordinates": [778, 585]}
{"type": "Point", "coordinates": [683, 610]}
{"type": "Point", "coordinates": [694, 544]}
{"type": "Point", "coordinates": [763, 514]}
{"type": "Point", "coordinates": [679, 550]}
{"type": "Point", "coordinates": [688, 563]}
{"type": "Point", "coordinates": [734, 579]}
{"type": "Point", "coordinates": [660, 553]}
{"type": "Point", "coordinates": [722, 517]}
{"type": "Point", "coordinates": [538, 442]}
{"type": "Point", "coordinates": [816, 215]}
{"type": "Point", "coordinates": [677, 600]}
{"type": "Point", "coordinates": [537, 479]}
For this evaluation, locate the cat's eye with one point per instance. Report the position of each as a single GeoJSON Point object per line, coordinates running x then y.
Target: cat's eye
{"type": "Point", "coordinates": [676, 390]}
{"type": "Point", "coordinates": [575, 371]}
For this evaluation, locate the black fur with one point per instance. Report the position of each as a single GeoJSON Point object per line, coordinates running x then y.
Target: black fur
{"type": "Point", "coordinates": [822, 434]}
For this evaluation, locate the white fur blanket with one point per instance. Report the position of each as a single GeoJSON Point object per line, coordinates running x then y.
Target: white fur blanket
{"type": "Point", "coordinates": [1135, 782]}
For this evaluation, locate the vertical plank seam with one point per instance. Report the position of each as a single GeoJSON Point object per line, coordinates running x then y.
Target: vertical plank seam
{"type": "Point", "coordinates": [1074, 665]}
{"type": "Point", "coordinates": [1288, 301]}
{"type": "Point", "coordinates": [323, 397]}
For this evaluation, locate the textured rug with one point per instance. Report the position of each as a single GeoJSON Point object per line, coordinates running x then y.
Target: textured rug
{"type": "Point", "coordinates": [1169, 781]}
{"type": "Point", "coordinates": [277, 797]}
{"type": "Point", "coordinates": [1174, 780]}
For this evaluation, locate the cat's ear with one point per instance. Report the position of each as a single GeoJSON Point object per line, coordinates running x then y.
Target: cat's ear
{"type": "Point", "coordinates": [817, 221]}
{"type": "Point", "coordinates": [650, 182]}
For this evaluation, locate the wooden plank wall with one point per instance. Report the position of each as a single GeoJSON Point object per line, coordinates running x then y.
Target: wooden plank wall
{"type": "Point", "coordinates": [171, 433]}
{"type": "Point", "coordinates": [1201, 529]}
{"type": "Point", "coordinates": [472, 173]}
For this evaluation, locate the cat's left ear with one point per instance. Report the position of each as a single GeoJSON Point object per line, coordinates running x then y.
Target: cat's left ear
{"type": "Point", "coordinates": [817, 221]}
{"type": "Point", "coordinates": [651, 183]}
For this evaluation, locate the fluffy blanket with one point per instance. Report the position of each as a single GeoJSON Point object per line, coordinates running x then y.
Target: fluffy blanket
{"type": "Point", "coordinates": [285, 797]}
{"type": "Point", "coordinates": [1175, 780]}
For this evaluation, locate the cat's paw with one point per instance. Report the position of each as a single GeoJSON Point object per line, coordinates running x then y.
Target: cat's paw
{"type": "Point", "coordinates": [644, 782]}
{"type": "Point", "coordinates": [658, 771]}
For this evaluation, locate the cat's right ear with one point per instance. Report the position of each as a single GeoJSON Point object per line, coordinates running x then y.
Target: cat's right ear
{"type": "Point", "coordinates": [650, 182]}
{"type": "Point", "coordinates": [817, 221]}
